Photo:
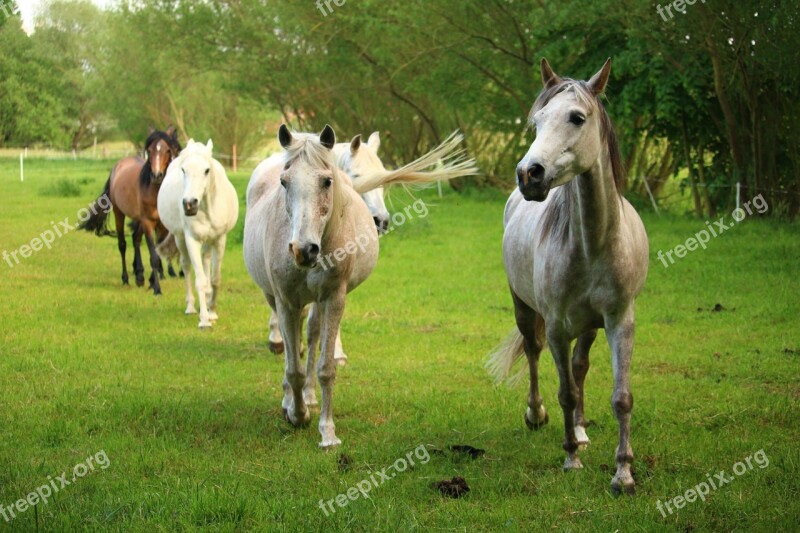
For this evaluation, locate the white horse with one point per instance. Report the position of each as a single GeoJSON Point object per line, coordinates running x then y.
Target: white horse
{"type": "Point", "coordinates": [302, 211]}
{"type": "Point", "coordinates": [576, 258]}
{"type": "Point", "coordinates": [199, 206]}
{"type": "Point", "coordinates": [357, 159]}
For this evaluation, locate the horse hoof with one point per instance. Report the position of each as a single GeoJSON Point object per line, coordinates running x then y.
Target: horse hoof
{"type": "Point", "coordinates": [276, 347]}
{"type": "Point", "coordinates": [299, 423]}
{"type": "Point", "coordinates": [205, 325]}
{"type": "Point", "coordinates": [190, 311]}
{"type": "Point", "coordinates": [140, 282]}
{"type": "Point", "coordinates": [572, 463]}
{"type": "Point", "coordinates": [582, 437]}
{"type": "Point", "coordinates": [341, 361]}
{"type": "Point", "coordinates": [618, 487]}
{"type": "Point", "coordinates": [213, 316]}
{"type": "Point", "coordinates": [330, 443]}
{"type": "Point", "coordinates": [539, 423]}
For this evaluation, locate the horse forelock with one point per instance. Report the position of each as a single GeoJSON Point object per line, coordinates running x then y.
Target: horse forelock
{"type": "Point", "coordinates": [145, 176]}
{"type": "Point", "coordinates": [595, 104]}
{"type": "Point", "coordinates": [307, 147]}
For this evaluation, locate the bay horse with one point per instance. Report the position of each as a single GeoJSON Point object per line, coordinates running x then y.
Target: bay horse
{"type": "Point", "coordinates": [199, 206]}
{"type": "Point", "coordinates": [132, 188]}
{"type": "Point", "coordinates": [301, 209]}
{"type": "Point", "coordinates": [576, 257]}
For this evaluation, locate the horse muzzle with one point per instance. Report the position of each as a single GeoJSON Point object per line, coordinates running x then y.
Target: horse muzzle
{"type": "Point", "coordinates": [305, 256]}
{"type": "Point", "coordinates": [190, 207]}
{"type": "Point", "coordinates": [532, 183]}
{"type": "Point", "coordinates": [381, 224]}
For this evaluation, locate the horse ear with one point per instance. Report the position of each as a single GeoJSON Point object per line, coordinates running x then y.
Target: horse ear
{"type": "Point", "coordinates": [210, 145]}
{"type": "Point", "coordinates": [355, 144]}
{"type": "Point", "coordinates": [170, 130]}
{"type": "Point", "coordinates": [598, 82]}
{"type": "Point", "coordinates": [374, 141]}
{"type": "Point", "coordinates": [285, 136]}
{"type": "Point", "coordinates": [150, 130]}
{"type": "Point", "coordinates": [327, 138]}
{"type": "Point", "coordinates": [549, 77]}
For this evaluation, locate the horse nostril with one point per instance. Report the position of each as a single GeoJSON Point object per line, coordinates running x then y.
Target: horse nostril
{"type": "Point", "coordinates": [536, 172]}
{"type": "Point", "coordinates": [377, 222]}
{"type": "Point", "coordinates": [311, 252]}
{"type": "Point", "coordinates": [385, 225]}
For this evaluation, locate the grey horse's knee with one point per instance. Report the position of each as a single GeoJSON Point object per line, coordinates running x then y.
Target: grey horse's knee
{"type": "Point", "coordinates": [622, 402]}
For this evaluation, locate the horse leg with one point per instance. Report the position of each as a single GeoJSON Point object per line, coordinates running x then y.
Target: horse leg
{"type": "Point", "coordinates": [332, 310]}
{"type": "Point", "coordinates": [194, 250]}
{"type": "Point", "coordinates": [528, 323]}
{"type": "Point", "coordinates": [185, 264]}
{"type": "Point", "coordinates": [580, 367]}
{"type": "Point", "coordinates": [119, 221]}
{"type": "Point", "coordinates": [207, 269]}
{"type": "Point", "coordinates": [310, 389]}
{"type": "Point", "coordinates": [567, 394]}
{"type": "Point", "coordinates": [138, 267]}
{"type": "Point", "coordinates": [217, 254]}
{"type": "Point", "coordinates": [170, 270]}
{"type": "Point", "coordinates": [620, 340]}
{"type": "Point", "coordinates": [276, 345]}
{"type": "Point", "coordinates": [340, 357]}
{"type": "Point", "coordinates": [294, 406]}
{"type": "Point", "coordinates": [155, 261]}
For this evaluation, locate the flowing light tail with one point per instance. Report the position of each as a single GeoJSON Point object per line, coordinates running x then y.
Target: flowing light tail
{"type": "Point", "coordinates": [510, 350]}
{"type": "Point", "coordinates": [449, 158]}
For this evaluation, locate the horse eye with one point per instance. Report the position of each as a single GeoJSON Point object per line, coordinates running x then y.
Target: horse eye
{"type": "Point", "coordinates": [327, 183]}
{"type": "Point", "coordinates": [577, 119]}
{"type": "Point", "coordinates": [207, 171]}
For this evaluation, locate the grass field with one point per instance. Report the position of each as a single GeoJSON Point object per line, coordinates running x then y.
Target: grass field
{"type": "Point", "coordinates": [190, 420]}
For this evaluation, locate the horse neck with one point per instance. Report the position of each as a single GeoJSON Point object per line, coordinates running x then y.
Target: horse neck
{"type": "Point", "coordinates": [595, 207]}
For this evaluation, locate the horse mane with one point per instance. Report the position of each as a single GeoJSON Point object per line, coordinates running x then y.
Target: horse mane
{"type": "Point", "coordinates": [307, 147]}
{"type": "Point", "coordinates": [556, 219]}
{"type": "Point", "coordinates": [146, 175]}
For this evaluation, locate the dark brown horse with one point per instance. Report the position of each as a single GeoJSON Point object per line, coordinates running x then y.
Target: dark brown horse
{"type": "Point", "coordinates": [132, 189]}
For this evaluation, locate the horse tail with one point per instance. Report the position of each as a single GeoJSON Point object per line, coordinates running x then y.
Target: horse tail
{"type": "Point", "coordinates": [167, 248]}
{"type": "Point", "coordinates": [502, 360]}
{"type": "Point", "coordinates": [449, 160]}
{"type": "Point", "coordinates": [98, 217]}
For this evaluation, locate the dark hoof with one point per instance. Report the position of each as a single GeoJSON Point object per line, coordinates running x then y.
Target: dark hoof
{"type": "Point", "coordinates": [171, 272]}
{"type": "Point", "coordinates": [180, 273]}
{"type": "Point", "coordinates": [618, 490]}
{"type": "Point", "coordinates": [140, 283]}
{"type": "Point", "coordinates": [300, 425]}
{"type": "Point", "coordinates": [536, 425]}
{"type": "Point", "coordinates": [276, 347]}
{"type": "Point", "coordinates": [125, 282]}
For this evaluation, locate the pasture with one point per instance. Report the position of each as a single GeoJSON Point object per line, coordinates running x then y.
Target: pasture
{"type": "Point", "coordinates": [191, 422]}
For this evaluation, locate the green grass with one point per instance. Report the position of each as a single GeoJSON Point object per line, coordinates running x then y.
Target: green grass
{"type": "Point", "coordinates": [190, 420]}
